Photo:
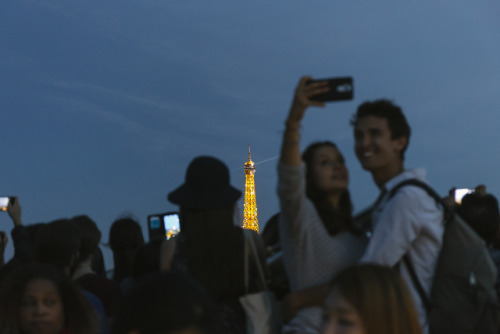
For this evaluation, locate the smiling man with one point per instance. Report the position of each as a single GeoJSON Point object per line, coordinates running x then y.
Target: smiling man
{"type": "Point", "coordinates": [410, 222]}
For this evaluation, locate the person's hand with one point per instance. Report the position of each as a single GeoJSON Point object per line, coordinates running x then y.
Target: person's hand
{"type": "Point", "coordinates": [14, 211]}
{"type": "Point", "coordinates": [302, 98]}
{"type": "Point", "coordinates": [4, 240]}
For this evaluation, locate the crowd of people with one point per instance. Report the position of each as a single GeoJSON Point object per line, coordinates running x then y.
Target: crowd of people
{"type": "Point", "coordinates": [339, 272]}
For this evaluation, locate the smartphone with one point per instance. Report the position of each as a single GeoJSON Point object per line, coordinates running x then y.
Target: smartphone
{"type": "Point", "coordinates": [4, 202]}
{"type": "Point", "coordinates": [163, 225]}
{"type": "Point", "coordinates": [460, 193]}
{"type": "Point", "coordinates": [341, 89]}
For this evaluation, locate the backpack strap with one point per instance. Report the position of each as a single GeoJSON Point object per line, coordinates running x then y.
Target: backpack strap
{"type": "Point", "coordinates": [431, 192]}
{"type": "Point", "coordinates": [416, 282]}
{"type": "Point", "coordinates": [406, 259]}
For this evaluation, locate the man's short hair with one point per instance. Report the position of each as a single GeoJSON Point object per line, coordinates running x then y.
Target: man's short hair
{"type": "Point", "coordinates": [383, 108]}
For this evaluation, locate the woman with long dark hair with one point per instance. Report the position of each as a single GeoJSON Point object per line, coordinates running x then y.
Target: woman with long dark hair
{"type": "Point", "coordinates": [39, 298]}
{"type": "Point", "coordinates": [210, 247]}
{"type": "Point", "coordinates": [317, 233]}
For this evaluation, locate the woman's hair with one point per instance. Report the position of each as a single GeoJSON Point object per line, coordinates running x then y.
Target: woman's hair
{"type": "Point", "coordinates": [166, 303]}
{"type": "Point", "coordinates": [79, 315]}
{"type": "Point", "coordinates": [214, 249]}
{"type": "Point", "coordinates": [335, 219]}
{"type": "Point", "coordinates": [380, 297]}
{"type": "Point", "coordinates": [90, 235]}
{"type": "Point", "coordinates": [125, 238]}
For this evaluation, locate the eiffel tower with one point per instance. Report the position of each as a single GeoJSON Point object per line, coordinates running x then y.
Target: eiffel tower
{"type": "Point", "coordinates": [250, 207]}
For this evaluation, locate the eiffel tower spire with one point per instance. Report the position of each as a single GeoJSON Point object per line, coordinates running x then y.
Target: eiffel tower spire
{"type": "Point", "coordinates": [250, 207]}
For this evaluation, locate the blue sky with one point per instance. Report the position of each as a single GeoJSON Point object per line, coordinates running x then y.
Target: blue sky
{"type": "Point", "coordinates": [105, 103]}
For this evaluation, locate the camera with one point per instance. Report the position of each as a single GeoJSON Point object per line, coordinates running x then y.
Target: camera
{"type": "Point", "coordinates": [4, 202]}
{"type": "Point", "coordinates": [163, 225]}
{"type": "Point", "coordinates": [460, 193]}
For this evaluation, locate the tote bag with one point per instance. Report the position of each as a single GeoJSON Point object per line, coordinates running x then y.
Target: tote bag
{"type": "Point", "coordinates": [261, 308]}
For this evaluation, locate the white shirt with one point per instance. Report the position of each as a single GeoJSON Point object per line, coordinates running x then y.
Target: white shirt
{"type": "Point", "coordinates": [410, 222]}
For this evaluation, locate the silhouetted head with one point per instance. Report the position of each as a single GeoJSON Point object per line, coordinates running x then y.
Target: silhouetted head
{"type": "Point", "coordinates": [206, 185]}
{"type": "Point", "coordinates": [166, 303]}
{"type": "Point", "coordinates": [481, 212]}
{"type": "Point", "coordinates": [58, 243]}
{"type": "Point", "coordinates": [125, 234]}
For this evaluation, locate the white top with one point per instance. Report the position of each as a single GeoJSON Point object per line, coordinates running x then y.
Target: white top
{"type": "Point", "coordinates": [410, 222]}
{"type": "Point", "coordinates": [310, 255]}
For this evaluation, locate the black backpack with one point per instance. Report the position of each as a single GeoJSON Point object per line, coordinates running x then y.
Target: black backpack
{"type": "Point", "coordinates": [463, 298]}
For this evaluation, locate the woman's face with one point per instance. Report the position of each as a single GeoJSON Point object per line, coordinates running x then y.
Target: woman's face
{"type": "Point", "coordinates": [41, 308]}
{"type": "Point", "coordinates": [329, 171]}
{"type": "Point", "coordinates": [340, 317]}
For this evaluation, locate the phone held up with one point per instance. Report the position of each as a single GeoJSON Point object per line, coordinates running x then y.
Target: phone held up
{"type": "Point", "coordinates": [4, 202]}
{"type": "Point", "coordinates": [341, 89]}
{"type": "Point", "coordinates": [461, 192]}
{"type": "Point", "coordinates": [163, 225]}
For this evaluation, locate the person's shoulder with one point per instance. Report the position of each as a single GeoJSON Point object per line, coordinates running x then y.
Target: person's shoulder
{"type": "Point", "coordinates": [398, 189]}
{"type": "Point", "coordinates": [415, 197]}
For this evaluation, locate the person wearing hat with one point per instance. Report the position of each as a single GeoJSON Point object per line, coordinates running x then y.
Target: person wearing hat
{"type": "Point", "coordinates": [210, 247]}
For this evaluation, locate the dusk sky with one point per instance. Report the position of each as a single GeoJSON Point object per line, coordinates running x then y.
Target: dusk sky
{"type": "Point", "coordinates": [105, 103]}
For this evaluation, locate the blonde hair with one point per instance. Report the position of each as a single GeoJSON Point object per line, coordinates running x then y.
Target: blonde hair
{"type": "Point", "coordinates": [380, 297]}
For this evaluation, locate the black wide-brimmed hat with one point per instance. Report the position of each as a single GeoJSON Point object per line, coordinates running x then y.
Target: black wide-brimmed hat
{"type": "Point", "coordinates": [206, 186]}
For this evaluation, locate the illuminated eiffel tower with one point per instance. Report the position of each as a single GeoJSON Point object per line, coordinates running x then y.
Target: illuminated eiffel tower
{"type": "Point", "coordinates": [250, 207]}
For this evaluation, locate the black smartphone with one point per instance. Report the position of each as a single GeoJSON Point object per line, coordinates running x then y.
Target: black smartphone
{"type": "Point", "coordinates": [341, 89]}
{"type": "Point", "coordinates": [163, 225]}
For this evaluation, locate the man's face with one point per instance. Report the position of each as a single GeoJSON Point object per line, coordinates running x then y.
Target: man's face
{"type": "Point", "coordinates": [373, 144]}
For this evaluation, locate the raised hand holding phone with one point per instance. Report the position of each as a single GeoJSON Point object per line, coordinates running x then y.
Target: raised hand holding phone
{"type": "Point", "coordinates": [302, 99]}
{"type": "Point", "coordinates": [339, 89]}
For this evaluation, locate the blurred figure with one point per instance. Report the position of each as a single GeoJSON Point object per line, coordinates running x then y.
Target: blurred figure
{"type": "Point", "coordinates": [317, 233]}
{"type": "Point", "coordinates": [369, 299]}
{"type": "Point", "coordinates": [38, 298]}
{"type": "Point", "coordinates": [480, 210]}
{"type": "Point", "coordinates": [167, 303]}
{"type": "Point", "coordinates": [22, 238]}
{"type": "Point", "coordinates": [147, 260]}
{"type": "Point", "coordinates": [210, 248]}
{"type": "Point", "coordinates": [125, 238]}
{"type": "Point", "coordinates": [108, 291]}
{"type": "Point", "coordinates": [279, 282]}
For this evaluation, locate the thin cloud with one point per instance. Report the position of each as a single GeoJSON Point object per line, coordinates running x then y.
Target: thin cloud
{"type": "Point", "coordinates": [155, 138]}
